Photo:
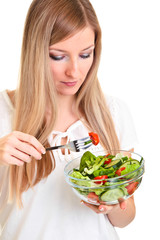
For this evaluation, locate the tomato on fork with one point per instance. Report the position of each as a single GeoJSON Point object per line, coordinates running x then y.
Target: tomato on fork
{"type": "Point", "coordinates": [94, 137]}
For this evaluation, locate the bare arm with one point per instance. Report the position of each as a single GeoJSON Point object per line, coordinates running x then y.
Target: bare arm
{"type": "Point", "coordinates": [122, 217]}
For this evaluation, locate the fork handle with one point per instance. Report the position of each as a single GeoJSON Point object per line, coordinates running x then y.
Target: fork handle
{"type": "Point", "coordinates": [54, 148]}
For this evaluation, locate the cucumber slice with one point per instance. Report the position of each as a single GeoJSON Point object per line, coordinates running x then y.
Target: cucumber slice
{"type": "Point", "coordinates": [129, 162]}
{"type": "Point", "coordinates": [114, 163]}
{"type": "Point", "coordinates": [112, 195]}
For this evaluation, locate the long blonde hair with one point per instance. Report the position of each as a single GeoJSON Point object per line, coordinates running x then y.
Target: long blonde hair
{"type": "Point", "coordinates": [48, 22]}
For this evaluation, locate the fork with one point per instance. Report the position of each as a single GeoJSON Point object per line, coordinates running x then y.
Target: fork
{"type": "Point", "coordinates": [74, 146]}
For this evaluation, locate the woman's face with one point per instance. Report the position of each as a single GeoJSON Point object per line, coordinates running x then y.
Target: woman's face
{"type": "Point", "coordinates": [70, 61]}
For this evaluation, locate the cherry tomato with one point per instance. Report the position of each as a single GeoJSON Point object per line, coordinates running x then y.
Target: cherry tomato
{"type": "Point", "coordinates": [118, 172]}
{"type": "Point", "coordinates": [93, 197]}
{"type": "Point", "coordinates": [94, 137]}
{"type": "Point", "coordinates": [132, 187]}
{"type": "Point", "coordinates": [101, 178]}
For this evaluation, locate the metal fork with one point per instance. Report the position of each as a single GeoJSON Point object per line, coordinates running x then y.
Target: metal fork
{"type": "Point", "coordinates": [74, 146]}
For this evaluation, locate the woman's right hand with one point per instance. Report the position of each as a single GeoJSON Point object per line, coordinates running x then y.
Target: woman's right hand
{"type": "Point", "coordinates": [17, 148]}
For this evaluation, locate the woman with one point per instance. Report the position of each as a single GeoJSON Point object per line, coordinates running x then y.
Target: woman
{"type": "Point", "coordinates": [58, 99]}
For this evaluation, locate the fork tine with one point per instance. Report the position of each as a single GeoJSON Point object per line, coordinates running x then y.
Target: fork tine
{"type": "Point", "coordinates": [74, 146]}
{"type": "Point", "coordinates": [85, 146]}
{"type": "Point", "coordinates": [82, 143]}
{"type": "Point", "coordinates": [83, 139]}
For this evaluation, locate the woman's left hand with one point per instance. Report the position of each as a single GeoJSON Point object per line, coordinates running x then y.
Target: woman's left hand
{"type": "Point", "coordinates": [106, 209]}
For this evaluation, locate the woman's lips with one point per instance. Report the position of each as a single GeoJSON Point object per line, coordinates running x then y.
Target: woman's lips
{"type": "Point", "coordinates": [70, 84]}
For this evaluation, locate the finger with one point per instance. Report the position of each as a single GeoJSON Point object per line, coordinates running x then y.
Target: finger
{"type": "Point", "coordinates": [19, 155]}
{"type": "Point", "coordinates": [105, 209]}
{"type": "Point", "coordinates": [28, 149]}
{"type": "Point", "coordinates": [12, 160]}
{"type": "Point", "coordinates": [31, 140]}
{"type": "Point", "coordinates": [123, 205]}
{"type": "Point", "coordinates": [91, 206]}
{"type": "Point", "coordinates": [16, 161]}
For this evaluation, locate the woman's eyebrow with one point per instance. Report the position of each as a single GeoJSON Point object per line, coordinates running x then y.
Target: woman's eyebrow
{"type": "Point", "coordinates": [60, 50]}
{"type": "Point", "coordinates": [92, 46]}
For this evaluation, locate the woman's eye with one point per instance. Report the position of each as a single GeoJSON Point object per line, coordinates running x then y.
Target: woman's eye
{"type": "Point", "coordinates": [56, 58]}
{"type": "Point", "coordinates": [85, 55]}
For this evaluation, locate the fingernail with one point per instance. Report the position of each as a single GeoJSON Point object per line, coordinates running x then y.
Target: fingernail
{"type": "Point", "coordinates": [123, 206]}
{"type": "Point", "coordinates": [43, 151]}
{"type": "Point", "coordinates": [81, 202]}
{"type": "Point", "coordinates": [40, 158]}
{"type": "Point", "coordinates": [101, 209]}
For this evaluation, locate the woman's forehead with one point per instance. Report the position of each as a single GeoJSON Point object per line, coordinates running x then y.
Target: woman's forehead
{"type": "Point", "coordinates": [82, 40]}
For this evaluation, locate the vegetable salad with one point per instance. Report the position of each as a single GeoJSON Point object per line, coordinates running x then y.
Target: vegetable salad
{"type": "Point", "coordinates": [107, 185]}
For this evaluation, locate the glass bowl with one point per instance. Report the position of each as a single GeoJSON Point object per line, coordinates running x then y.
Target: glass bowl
{"type": "Point", "coordinates": [111, 190]}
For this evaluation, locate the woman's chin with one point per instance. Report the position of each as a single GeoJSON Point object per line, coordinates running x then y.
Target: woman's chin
{"type": "Point", "coordinates": [69, 92]}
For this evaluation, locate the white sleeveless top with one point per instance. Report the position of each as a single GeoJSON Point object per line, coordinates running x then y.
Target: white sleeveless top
{"type": "Point", "coordinates": [51, 210]}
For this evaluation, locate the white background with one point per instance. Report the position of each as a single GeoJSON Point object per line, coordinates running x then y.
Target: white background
{"type": "Point", "coordinates": [130, 70]}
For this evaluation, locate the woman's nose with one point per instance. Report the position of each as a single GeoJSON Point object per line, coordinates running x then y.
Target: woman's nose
{"type": "Point", "coordinates": [72, 69]}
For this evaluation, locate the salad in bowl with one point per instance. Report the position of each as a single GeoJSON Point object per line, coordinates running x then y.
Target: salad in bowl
{"type": "Point", "coordinates": [105, 177]}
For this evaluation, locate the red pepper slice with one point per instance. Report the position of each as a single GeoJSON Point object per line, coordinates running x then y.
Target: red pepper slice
{"type": "Point", "coordinates": [107, 155]}
{"type": "Point", "coordinates": [94, 137]}
{"type": "Point", "coordinates": [108, 161]}
{"type": "Point", "coordinates": [101, 178]}
{"type": "Point", "coordinates": [118, 172]}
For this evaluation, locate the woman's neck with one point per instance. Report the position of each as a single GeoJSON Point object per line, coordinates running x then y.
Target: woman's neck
{"type": "Point", "coordinates": [66, 113]}
{"type": "Point", "coordinates": [66, 103]}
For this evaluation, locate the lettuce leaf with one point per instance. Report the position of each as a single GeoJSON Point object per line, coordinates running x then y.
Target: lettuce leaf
{"type": "Point", "coordinates": [130, 168]}
{"type": "Point", "coordinates": [77, 174]}
{"type": "Point", "coordinates": [87, 161]}
{"type": "Point", "coordinates": [103, 171]}
{"type": "Point", "coordinates": [99, 161]}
